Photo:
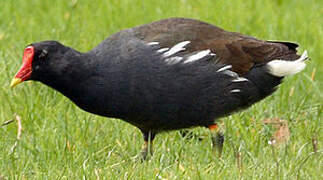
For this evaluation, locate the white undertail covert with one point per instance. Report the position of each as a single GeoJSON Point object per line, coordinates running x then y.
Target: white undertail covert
{"type": "Point", "coordinates": [281, 68]}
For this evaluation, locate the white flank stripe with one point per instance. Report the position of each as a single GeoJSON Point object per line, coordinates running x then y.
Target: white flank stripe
{"type": "Point", "coordinates": [224, 68]}
{"type": "Point", "coordinates": [281, 68]}
{"type": "Point", "coordinates": [240, 79]}
{"type": "Point", "coordinates": [162, 50]}
{"type": "Point", "coordinates": [197, 56]}
{"type": "Point", "coordinates": [231, 73]}
{"type": "Point", "coordinates": [173, 60]}
{"type": "Point", "coordinates": [153, 43]}
{"type": "Point", "coordinates": [175, 49]}
{"type": "Point", "coordinates": [235, 90]}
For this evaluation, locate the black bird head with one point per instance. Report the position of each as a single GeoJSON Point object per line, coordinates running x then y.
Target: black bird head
{"type": "Point", "coordinates": [41, 61]}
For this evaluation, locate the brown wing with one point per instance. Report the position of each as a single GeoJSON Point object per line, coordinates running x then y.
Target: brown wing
{"type": "Point", "coordinates": [241, 51]}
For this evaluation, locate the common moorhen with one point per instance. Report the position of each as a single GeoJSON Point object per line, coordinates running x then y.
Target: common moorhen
{"type": "Point", "coordinates": [167, 75]}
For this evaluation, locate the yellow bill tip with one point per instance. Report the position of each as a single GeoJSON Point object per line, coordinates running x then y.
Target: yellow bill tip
{"type": "Point", "coordinates": [15, 81]}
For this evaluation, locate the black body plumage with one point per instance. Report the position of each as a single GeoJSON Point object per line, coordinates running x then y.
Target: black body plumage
{"type": "Point", "coordinates": [131, 81]}
{"type": "Point", "coordinates": [171, 74]}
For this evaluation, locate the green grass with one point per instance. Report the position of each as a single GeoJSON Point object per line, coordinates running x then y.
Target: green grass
{"type": "Point", "coordinates": [60, 141]}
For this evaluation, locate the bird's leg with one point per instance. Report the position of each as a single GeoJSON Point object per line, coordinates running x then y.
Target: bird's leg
{"type": "Point", "coordinates": [147, 148]}
{"type": "Point", "coordinates": [217, 139]}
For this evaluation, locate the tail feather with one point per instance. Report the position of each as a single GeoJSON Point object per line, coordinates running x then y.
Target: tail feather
{"type": "Point", "coordinates": [281, 68]}
{"type": "Point", "coordinates": [290, 45]}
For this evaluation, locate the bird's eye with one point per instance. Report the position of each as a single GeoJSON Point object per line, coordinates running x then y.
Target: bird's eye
{"type": "Point", "coordinates": [43, 54]}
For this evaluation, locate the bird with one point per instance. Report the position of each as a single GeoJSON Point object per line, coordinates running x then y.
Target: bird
{"type": "Point", "coordinates": [170, 74]}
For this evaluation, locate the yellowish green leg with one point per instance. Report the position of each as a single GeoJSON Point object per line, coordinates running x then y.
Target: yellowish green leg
{"type": "Point", "coordinates": [147, 147]}
{"type": "Point", "coordinates": [217, 139]}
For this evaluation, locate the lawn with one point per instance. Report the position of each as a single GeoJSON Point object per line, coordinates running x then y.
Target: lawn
{"type": "Point", "coordinates": [60, 141]}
